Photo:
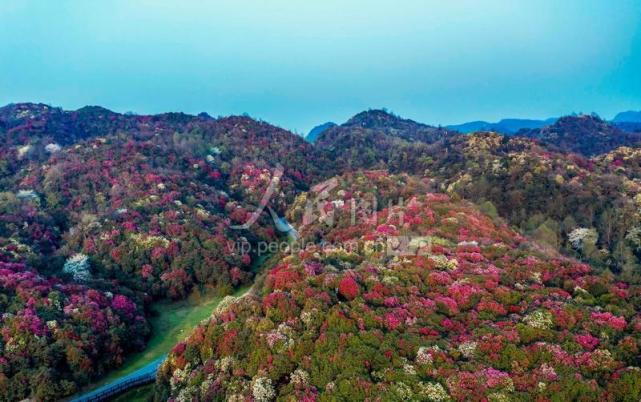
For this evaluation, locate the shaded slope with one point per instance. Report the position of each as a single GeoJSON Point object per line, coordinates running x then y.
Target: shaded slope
{"type": "Point", "coordinates": [374, 139]}
{"type": "Point", "coordinates": [585, 134]}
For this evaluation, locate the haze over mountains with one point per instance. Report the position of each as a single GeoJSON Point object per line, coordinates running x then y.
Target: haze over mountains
{"type": "Point", "coordinates": [628, 117]}
{"type": "Point", "coordinates": [505, 126]}
{"type": "Point", "coordinates": [535, 246]}
{"type": "Point", "coordinates": [628, 121]}
{"type": "Point", "coordinates": [586, 134]}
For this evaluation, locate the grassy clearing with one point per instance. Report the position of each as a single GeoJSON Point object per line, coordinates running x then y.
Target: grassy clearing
{"type": "Point", "coordinates": [171, 322]}
{"type": "Point", "coordinates": [140, 394]}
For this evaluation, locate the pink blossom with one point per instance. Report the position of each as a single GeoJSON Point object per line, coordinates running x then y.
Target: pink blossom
{"type": "Point", "coordinates": [391, 301]}
{"type": "Point", "coordinates": [392, 321]}
{"type": "Point", "coordinates": [124, 305]}
{"type": "Point", "coordinates": [608, 319]}
{"type": "Point", "coordinates": [146, 271]}
{"type": "Point", "coordinates": [495, 377]}
{"type": "Point", "coordinates": [389, 230]}
{"type": "Point", "coordinates": [588, 341]}
{"type": "Point", "coordinates": [447, 302]}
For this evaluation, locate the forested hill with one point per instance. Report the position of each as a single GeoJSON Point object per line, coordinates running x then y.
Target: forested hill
{"type": "Point", "coordinates": [103, 214]}
{"type": "Point", "coordinates": [585, 134]}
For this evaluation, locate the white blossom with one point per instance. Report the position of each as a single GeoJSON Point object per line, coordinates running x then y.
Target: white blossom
{"type": "Point", "coordinates": [53, 148]}
{"type": "Point", "coordinates": [472, 243]}
{"type": "Point", "coordinates": [22, 151]}
{"type": "Point", "coordinates": [224, 364]}
{"type": "Point", "coordinates": [580, 237]}
{"type": "Point", "coordinates": [403, 392]}
{"type": "Point", "coordinates": [78, 266]}
{"type": "Point", "coordinates": [433, 391]}
{"type": "Point", "coordinates": [299, 378]}
{"type": "Point", "coordinates": [27, 194]}
{"type": "Point", "coordinates": [467, 349]}
{"type": "Point", "coordinates": [424, 354]}
{"type": "Point", "coordinates": [539, 319]}
{"type": "Point", "coordinates": [409, 369]}
{"type": "Point", "coordinates": [263, 390]}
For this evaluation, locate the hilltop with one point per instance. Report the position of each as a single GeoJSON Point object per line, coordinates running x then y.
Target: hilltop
{"type": "Point", "coordinates": [585, 134]}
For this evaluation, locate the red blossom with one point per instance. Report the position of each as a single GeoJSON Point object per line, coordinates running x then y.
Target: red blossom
{"type": "Point", "coordinates": [348, 287]}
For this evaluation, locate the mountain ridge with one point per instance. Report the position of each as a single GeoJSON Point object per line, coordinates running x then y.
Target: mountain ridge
{"type": "Point", "coordinates": [506, 126]}
{"type": "Point", "coordinates": [318, 130]}
{"type": "Point", "coordinates": [585, 134]}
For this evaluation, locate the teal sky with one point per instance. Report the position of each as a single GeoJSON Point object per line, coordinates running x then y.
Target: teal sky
{"type": "Point", "coordinates": [300, 63]}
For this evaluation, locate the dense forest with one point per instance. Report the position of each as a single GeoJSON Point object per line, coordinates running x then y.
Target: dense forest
{"type": "Point", "coordinates": [529, 288]}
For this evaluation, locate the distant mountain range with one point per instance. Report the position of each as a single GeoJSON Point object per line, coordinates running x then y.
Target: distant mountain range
{"type": "Point", "coordinates": [505, 126]}
{"type": "Point", "coordinates": [583, 134]}
{"type": "Point", "coordinates": [318, 130]}
{"type": "Point", "coordinates": [626, 121]}
{"type": "Point", "coordinates": [630, 116]}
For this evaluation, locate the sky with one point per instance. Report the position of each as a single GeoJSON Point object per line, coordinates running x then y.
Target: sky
{"type": "Point", "coordinates": [299, 63]}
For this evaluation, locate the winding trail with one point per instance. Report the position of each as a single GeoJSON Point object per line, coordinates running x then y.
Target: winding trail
{"type": "Point", "coordinates": [139, 377]}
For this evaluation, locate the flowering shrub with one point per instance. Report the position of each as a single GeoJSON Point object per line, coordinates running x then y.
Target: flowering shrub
{"type": "Point", "coordinates": [78, 267]}
{"type": "Point", "coordinates": [609, 320]}
{"type": "Point", "coordinates": [348, 288]}
{"type": "Point", "coordinates": [582, 237]}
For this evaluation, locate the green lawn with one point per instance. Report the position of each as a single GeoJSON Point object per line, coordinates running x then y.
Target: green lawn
{"type": "Point", "coordinates": [170, 323]}
{"type": "Point", "coordinates": [140, 394]}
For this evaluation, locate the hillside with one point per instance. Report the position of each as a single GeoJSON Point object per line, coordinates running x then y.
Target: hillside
{"type": "Point", "coordinates": [120, 219]}
{"type": "Point", "coordinates": [546, 194]}
{"type": "Point", "coordinates": [539, 189]}
{"type": "Point", "coordinates": [57, 334]}
{"type": "Point", "coordinates": [31, 131]}
{"type": "Point", "coordinates": [471, 311]}
{"type": "Point", "coordinates": [164, 193]}
{"type": "Point", "coordinates": [31, 123]}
